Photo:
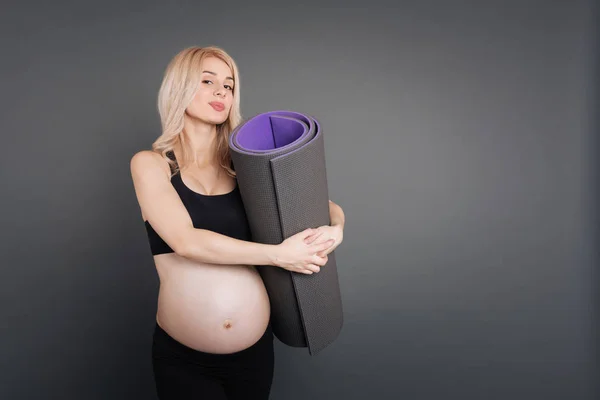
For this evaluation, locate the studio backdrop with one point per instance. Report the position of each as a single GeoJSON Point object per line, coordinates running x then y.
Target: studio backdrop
{"type": "Point", "coordinates": [458, 139]}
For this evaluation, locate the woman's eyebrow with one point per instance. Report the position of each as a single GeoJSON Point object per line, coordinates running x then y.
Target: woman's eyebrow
{"type": "Point", "coordinates": [210, 72]}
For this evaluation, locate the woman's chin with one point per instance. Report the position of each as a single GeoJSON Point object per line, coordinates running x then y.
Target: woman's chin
{"type": "Point", "coordinates": [214, 120]}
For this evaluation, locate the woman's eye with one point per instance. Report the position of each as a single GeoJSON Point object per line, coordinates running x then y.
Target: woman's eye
{"type": "Point", "coordinates": [227, 86]}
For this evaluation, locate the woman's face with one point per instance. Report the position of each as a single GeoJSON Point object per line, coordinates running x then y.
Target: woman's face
{"type": "Point", "coordinates": [214, 97]}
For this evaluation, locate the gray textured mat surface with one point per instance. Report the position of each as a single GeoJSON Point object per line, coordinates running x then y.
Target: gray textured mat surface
{"type": "Point", "coordinates": [279, 158]}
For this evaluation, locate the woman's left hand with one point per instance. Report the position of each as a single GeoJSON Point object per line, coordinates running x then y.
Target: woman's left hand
{"type": "Point", "coordinates": [327, 232]}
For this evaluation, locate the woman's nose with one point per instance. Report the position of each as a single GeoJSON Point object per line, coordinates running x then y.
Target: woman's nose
{"type": "Point", "coordinates": [220, 92]}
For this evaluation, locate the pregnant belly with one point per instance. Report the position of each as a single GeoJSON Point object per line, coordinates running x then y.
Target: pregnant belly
{"type": "Point", "coordinates": [211, 308]}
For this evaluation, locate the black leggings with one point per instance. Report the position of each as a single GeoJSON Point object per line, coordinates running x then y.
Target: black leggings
{"type": "Point", "coordinates": [181, 372]}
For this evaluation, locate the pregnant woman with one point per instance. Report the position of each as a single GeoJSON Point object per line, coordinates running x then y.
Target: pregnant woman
{"type": "Point", "coordinates": [213, 337]}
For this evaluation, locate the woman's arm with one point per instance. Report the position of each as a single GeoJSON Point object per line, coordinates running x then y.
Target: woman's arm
{"type": "Point", "coordinates": [336, 215]}
{"type": "Point", "coordinates": [215, 248]}
{"type": "Point", "coordinates": [163, 209]}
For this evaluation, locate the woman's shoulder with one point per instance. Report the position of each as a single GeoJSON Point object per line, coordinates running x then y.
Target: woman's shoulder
{"type": "Point", "coordinates": [144, 160]}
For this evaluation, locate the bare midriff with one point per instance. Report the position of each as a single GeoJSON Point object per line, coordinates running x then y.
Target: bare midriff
{"type": "Point", "coordinates": [212, 308]}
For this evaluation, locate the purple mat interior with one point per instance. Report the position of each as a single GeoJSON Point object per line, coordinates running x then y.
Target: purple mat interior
{"type": "Point", "coordinates": [268, 132]}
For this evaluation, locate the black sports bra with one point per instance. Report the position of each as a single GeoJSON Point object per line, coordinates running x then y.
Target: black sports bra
{"type": "Point", "coordinates": [221, 213]}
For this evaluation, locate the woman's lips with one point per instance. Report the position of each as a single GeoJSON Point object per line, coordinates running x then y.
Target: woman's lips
{"type": "Point", "coordinates": [217, 106]}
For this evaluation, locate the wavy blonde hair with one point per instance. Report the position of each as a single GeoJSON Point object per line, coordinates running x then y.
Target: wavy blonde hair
{"type": "Point", "coordinates": [180, 83]}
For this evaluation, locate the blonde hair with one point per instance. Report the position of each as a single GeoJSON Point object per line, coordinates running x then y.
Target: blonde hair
{"type": "Point", "coordinates": [180, 83]}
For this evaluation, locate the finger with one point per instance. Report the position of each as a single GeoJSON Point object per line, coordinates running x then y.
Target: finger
{"type": "Point", "coordinates": [312, 238]}
{"type": "Point", "coordinates": [324, 245]}
{"type": "Point", "coordinates": [313, 268]}
{"type": "Point", "coordinates": [319, 260]}
{"type": "Point", "coordinates": [309, 239]}
{"type": "Point", "coordinates": [308, 232]}
{"type": "Point", "coordinates": [323, 239]}
{"type": "Point", "coordinates": [323, 253]}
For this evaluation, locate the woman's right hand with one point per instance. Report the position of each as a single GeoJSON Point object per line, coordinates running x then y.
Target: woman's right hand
{"type": "Point", "coordinates": [295, 255]}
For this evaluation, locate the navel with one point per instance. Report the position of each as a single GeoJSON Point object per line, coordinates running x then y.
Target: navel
{"type": "Point", "coordinates": [228, 324]}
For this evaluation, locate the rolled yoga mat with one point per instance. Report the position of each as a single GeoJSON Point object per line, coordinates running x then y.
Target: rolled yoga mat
{"type": "Point", "coordinates": [279, 158]}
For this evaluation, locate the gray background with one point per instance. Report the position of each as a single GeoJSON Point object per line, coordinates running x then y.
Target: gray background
{"type": "Point", "coordinates": [458, 141]}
